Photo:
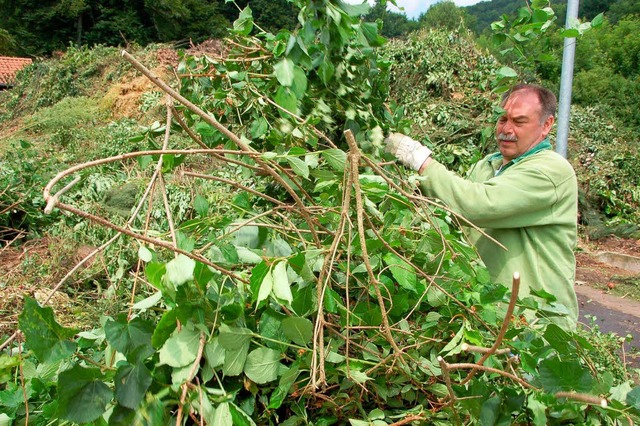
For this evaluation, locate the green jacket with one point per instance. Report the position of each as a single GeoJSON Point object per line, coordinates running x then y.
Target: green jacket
{"type": "Point", "coordinates": [529, 206]}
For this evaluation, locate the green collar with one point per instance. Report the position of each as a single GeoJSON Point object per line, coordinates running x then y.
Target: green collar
{"type": "Point", "coordinates": [545, 144]}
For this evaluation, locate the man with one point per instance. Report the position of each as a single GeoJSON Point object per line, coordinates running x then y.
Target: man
{"type": "Point", "coordinates": [524, 196]}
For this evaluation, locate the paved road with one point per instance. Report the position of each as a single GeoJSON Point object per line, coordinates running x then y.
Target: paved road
{"type": "Point", "coordinates": [613, 314]}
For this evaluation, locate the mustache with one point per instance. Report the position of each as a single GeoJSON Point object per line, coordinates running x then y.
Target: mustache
{"type": "Point", "coordinates": [508, 138]}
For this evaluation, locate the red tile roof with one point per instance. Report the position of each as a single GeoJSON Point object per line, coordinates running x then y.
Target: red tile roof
{"type": "Point", "coordinates": [9, 67]}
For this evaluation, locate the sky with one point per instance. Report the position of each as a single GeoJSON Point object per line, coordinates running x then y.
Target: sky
{"type": "Point", "coordinates": [413, 8]}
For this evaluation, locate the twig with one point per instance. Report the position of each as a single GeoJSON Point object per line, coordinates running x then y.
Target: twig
{"type": "Point", "coordinates": [149, 240]}
{"type": "Point", "coordinates": [9, 340]}
{"type": "Point", "coordinates": [52, 200]}
{"type": "Point", "coordinates": [582, 397]}
{"type": "Point", "coordinates": [480, 350]}
{"type": "Point", "coordinates": [515, 288]}
{"type": "Point", "coordinates": [472, 366]}
{"type": "Point", "coordinates": [167, 210]}
{"type": "Point", "coordinates": [317, 363]}
{"type": "Point", "coordinates": [24, 388]}
{"type": "Point", "coordinates": [234, 183]}
{"type": "Point", "coordinates": [409, 419]}
{"type": "Point", "coordinates": [354, 156]}
{"type": "Point", "coordinates": [192, 372]}
{"type": "Point", "coordinates": [447, 380]}
{"type": "Point", "coordinates": [187, 129]}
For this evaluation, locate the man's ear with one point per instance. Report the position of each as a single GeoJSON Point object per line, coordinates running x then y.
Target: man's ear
{"type": "Point", "coordinates": [548, 124]}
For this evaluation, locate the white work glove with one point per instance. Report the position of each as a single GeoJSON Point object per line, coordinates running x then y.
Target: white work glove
{"type": "Point", "coordinates": [410, 153]}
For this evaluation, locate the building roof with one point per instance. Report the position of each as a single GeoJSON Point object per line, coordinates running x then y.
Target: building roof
{"type": "Point", "coordinates": [9, 66]}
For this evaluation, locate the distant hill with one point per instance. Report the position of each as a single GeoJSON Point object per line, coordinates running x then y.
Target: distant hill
{"type": "Point", "coordinates": [489, 11]}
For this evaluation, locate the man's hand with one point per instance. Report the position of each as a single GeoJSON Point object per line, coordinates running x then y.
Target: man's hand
{"type": "Point", "coordinates": [410, 153]}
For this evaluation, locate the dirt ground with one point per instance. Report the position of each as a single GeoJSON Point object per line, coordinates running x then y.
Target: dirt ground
{"type": "Point", "coordinates": [609, 296]}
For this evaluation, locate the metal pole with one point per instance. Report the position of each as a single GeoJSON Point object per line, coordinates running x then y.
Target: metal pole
{"type": "Point", "coordinates": [566, 81]}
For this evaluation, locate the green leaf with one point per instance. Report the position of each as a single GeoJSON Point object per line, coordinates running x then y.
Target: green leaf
{"type": "Point", "coordinates": [556, 376]}
{"type": "Point", "coordinates": [336, 158]}
{"type": "Point", "coordinates": [258, 273]}
{"type": "Point", "coordinates": [559, 339]}
{"type": "Point", "coordinates": [122, 416]}
{"type": "Point", "coordinates": [131, 383]}
{"type": "Point", "coordinates": [165, 327]}
{"type": "Point", "coordinates": [299, 330]}
{"type": "Point", "coordinates": [284, 72]}
{"type": "Point", "coordinates": [259, 127]}
{"type": "Point", "coordinates": [506, 72]}
{"type": "Point", "coordinates": [633, 398]}
{"type": "Point", "coordinates": [82, 396]}
{"type": "Point", "coordinates": [235, 359]}
{"type": "Point", "coordinates": [132, 339]}
{"type": "Point", "coordinates": [214, 353]}
{"type": "Point", "coordinates": [299, 167]}
{"type": "Point", "coordinates": [202, 274]}
{"type": "Point", "coordinates": [356, 9]}
{"type": "Point", "coordinates": [280, 393]}
{"type": "Point", "coordinates": [262, 365]}
{"type": "Point", "coordinates": [286, 99]}
{"type": "Point", "coordinates": [180, 270]}
{"type": "Point", "coordinates": [239, 417]}
{"type": "Point", "coordinates": [490, 411]}
{"type": "Point", "coordinates": [281, 286]}
{"type": "Point", "coordinates": [44, 336]}
{"type": "Point", "coordinates": [222, 416]}
{"type": "Point", "coordinates": [370, 31]}
{"type": "Point", "coordinates": [154, 271]}
{"type": "Point", "coordinates": [265, 287]}
{"type": "Point", "coordinates": [226, 254]}
{"type": "Point", "coordinates": [452, 347]}
{"type": "Point", "coordinates": [248, 256]}
{"type": "Point", "coordinates": [145, 254]}
{"type": "Point", "coordinates": [201, 205]}
{"type": "Point", "coordinates": [180, 349]}
{"type": "Point", "coordinates": [300, 82]}
{"type": "Point", "coordinates": [538, 409]}
{"type": "Point", "coordinates": [332, 301]}
{"type": "Point", "coordinates": [597, 21]}
{"type": "Point", "coordinates": [356, 375]}
{"type": "Point", "coordinates": [570, 33]}
{"type": "Point", "coordinates": [144, 161]}
{"type": "Point", "coordinates": [304, 300]}
{"type": "Point", "coordinates": [326, 72]}
{"type": "Point", "coordinates": [232, 338]}
{"type": "Point", "coordinates": [244, 24]}
{"type": "Point", "coordinates": [403, 273]}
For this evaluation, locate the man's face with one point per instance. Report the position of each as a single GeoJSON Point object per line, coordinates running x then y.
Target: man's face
{"type": "Point", "coordinates": [521, 127]}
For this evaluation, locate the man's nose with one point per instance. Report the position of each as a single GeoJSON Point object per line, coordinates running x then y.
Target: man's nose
{"type": "Point", "coordinates": [507, 127]}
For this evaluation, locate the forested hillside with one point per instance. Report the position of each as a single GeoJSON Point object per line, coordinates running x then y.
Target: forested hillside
{"type": "Point", "coordinates": [484, 13]}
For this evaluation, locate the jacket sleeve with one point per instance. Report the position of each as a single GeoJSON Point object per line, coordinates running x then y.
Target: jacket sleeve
{"type": "Point", "coordinates": [521, 196]}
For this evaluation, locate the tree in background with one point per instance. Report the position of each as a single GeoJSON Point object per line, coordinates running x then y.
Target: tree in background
{"type": "Point", "coordinates": [196, 20]}
{"type": "Point", "coordinates": [623, 8]}
{"type": "Point", "coordinates": [447, 15]}
{"type": "Point", "coordinates": [393, 24]}
{"type": "Point", "coordinates": [44, 27]}
{"type": "Point", "coordinates": [607, 69]}
{"type": "Point", "coordinates": [40, 27]}
{"type": "Point", "coordinates": [7, 43]}
{"type": "Point", "coordinates": [114, 22]}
